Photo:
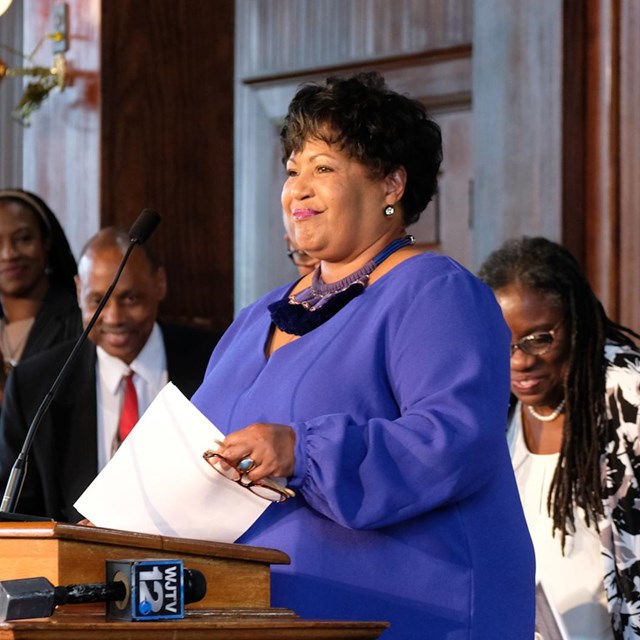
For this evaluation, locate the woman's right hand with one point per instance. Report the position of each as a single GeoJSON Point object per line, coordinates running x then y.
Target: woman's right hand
{"type": "Point", "coordinates": [269, 445]}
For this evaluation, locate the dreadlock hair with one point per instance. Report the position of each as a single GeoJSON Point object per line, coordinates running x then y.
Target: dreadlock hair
{"type": "Point", "coordinates": [546, 267]}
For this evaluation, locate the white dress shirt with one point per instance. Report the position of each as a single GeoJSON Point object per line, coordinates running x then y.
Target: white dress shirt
{"type": "Point", "coordinates": [150, 368]}
{"type": "Point", "coordinates": [574, 582]}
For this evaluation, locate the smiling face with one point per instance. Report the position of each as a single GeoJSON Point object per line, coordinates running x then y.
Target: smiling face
{"type": "Point", "coordinates": [535, 380]}
{"type": "Point", "coordinates": [123, 327]}
{"type": "Point", "coordinates": [335, 206]}
{"type": "Point", "coordinates": [23, 251]}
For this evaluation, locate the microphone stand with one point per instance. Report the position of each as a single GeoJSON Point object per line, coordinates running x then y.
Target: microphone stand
{"type": "Point", "coordinates": [140, 231]}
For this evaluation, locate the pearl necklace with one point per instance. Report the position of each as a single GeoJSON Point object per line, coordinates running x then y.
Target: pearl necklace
{"type": "Point", "coordinates": [552, 416]}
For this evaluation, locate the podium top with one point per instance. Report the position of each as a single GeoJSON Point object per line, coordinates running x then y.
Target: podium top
{"type": "Point", "coordinates": [166, 544]}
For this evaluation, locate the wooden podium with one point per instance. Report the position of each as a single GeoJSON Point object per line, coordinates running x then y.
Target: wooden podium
{"type": "Point", "coordinates": [236, 606]}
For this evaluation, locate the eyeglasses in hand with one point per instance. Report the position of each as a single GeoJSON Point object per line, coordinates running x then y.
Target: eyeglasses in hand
{"type": "Point", "coordinates": [266, 488]}
{"type": "Point", "coordinates": [536, 344]}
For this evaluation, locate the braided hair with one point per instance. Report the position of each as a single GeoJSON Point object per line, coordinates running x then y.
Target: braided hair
{"type": "Point", "coordinates": [548, 268]}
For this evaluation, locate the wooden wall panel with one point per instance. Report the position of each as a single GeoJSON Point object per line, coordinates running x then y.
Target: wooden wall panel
{"type": "Point", "coordinates": [10, 92]}
{"type": "Point", "coordinates": [279, 37]}
{"type": "Point", "coordinates": [602, 152]}
{"type": "Point", "coordinates": [167, 142]}
{"type": "Point", "coordinates": [612, 156]}
{"type": "Point", "coordinates": [517, 121]}
{"type": "Point", "coordinates": [61, 147]}
{"type": "Point", "coordinates": [629, 165]}
{"type": "Point", "coordinates": [574, 118]}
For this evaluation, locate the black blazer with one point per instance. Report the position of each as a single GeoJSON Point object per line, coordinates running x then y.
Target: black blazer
{"type": "Point", "coordinates": [58, 320]}
{"type": "Point", "coordinates": [63, 460]}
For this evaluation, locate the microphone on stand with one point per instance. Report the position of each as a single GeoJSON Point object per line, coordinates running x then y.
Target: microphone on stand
{"type": "Point", "coordinates": [139, 233]}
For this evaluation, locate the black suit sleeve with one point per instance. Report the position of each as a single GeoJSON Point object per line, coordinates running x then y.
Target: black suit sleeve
{"type": "Point", "coordinates": [62, 460]}
{"type": "Point", "coordinates": [14, 425]}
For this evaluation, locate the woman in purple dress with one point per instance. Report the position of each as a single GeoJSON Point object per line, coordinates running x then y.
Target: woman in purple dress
{"type": "Point", "coordinates": [378, 387]}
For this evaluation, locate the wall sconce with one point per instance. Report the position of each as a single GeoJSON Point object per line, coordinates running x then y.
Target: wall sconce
{"type": "Point", "coordinates": [45, 78]}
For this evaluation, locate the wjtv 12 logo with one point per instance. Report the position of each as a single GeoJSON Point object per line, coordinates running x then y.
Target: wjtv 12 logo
{"type": "Point", "coordinates": [155, 589]}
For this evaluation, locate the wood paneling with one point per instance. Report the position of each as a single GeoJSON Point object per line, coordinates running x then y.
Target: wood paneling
{"type": "Point", "coordinates": [574, 114]}
{"type": "Point", "coordinates": [517, 121]}
{"type": "Point", "coordinates": [167, 142]}
{"type": "Point", "coordinates": [629, 166]}
{"type": "Point", "coordinates": [200, 625]}
{"type": "Point", "coordinates": [61, 147]}
{"type": "Point", "coordinates": [611, 166]}
{"type": "Point", "coordinates": [602, 151]}
{"type": "Point", "coordinates": [278, 37]}
{"type": "Point", "coordinates": [10, 92]}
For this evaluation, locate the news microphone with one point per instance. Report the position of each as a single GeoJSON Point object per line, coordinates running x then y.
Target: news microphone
{"type": "Point", "coordinates": [135, 590]}
{"type": "Point", "coordinates": [139, 233]}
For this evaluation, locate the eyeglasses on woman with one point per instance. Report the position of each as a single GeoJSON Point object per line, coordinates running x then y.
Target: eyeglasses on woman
{"type": "Point", "coordinates": [536, 344]}
{"type": "Point", "coordinates": [300, 258]}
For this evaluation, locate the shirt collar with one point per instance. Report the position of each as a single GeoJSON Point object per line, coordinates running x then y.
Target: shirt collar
{"type": "Point", "coordinates": [149, 364]}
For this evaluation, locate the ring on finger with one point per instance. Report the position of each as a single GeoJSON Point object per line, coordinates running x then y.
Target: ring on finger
{"type": "Point", "coordinates": [246, 464]}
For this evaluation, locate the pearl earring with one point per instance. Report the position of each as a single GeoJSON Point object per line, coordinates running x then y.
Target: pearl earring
{"type": "Point", "coordinates": [389, 211]}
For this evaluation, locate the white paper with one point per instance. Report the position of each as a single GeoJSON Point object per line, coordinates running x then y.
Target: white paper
{"type": "Point", "coordinates": [159, 483]}
{"type": "Point", "coordinates": [549, 624]}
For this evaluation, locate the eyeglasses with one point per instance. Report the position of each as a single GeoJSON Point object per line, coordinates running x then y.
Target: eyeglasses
{"type": "Point", "coordinates": [300, 258]}
{"type": "Point", "coordinates": [266, 488]}
{"type": "Point", "coordinates": [536, 344]}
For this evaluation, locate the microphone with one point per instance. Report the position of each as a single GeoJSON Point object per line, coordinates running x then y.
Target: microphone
{"type": "Point", "coordinates": [135, 590]}
{"type": "Point", "coordinates": [144, 226]}
{"type": "Point", "coordinates": [139, 233]}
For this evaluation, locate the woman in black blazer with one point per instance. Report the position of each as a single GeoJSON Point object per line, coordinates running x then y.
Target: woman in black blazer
{"type": "Point", "coordinates": [38, 306]}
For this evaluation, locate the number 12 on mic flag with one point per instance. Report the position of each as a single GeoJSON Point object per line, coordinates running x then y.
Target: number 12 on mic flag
{"type": "Point", "coordinates": [155, 589]}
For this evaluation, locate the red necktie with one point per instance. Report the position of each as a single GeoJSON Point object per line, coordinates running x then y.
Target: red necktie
{"type": "Point", "coordinates": [129, 415]}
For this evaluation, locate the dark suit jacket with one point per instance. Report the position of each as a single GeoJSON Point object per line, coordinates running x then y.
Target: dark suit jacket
{"type": "Point", "coordinates": [63, 460]}
{"type": "Point", "coordinates": [57, 321]}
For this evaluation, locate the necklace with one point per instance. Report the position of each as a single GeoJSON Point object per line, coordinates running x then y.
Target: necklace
{"type": "Point", "coordinates": [10, 353]}
{"type": "Point", "coordinates": [552, 416]}
{"type": "Point", "coordinates": [299, 313]}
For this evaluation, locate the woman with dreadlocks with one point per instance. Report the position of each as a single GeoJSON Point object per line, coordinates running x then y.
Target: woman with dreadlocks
{"type": "Point", "coordinates": [573, 435]}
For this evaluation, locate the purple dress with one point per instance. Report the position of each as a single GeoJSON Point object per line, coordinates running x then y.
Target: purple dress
{"type": "Point", "coordinates": [406, 508]}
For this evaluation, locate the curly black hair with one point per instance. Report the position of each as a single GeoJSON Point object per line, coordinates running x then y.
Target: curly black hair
{"type": "Point", "coordinates": [378, 127]}
{"type": "Point", "coordinates": [548, 268]}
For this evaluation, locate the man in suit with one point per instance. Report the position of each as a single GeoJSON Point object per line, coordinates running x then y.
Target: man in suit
{"type": "Point", "coordinates": [79, 433]}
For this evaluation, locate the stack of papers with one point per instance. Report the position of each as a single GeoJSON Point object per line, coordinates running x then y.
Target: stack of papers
{"type": "Point", "coordinates": [159, 483]}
